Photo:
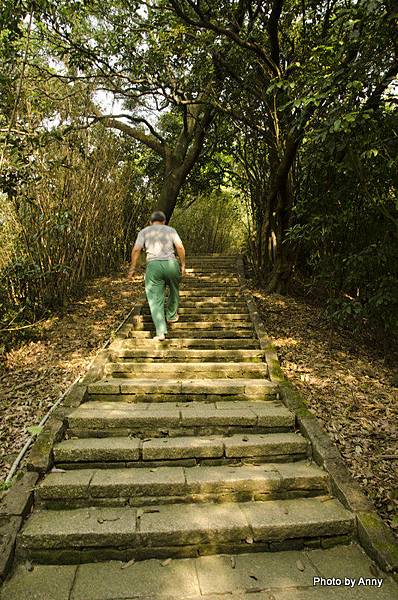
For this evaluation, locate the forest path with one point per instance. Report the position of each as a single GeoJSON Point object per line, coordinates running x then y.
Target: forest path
{"type": "Point", "coordinates": [184, 459]}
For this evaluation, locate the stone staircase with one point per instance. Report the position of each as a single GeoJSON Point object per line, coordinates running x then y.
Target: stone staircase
{"type": "Point", "coordinates": [183, 448]}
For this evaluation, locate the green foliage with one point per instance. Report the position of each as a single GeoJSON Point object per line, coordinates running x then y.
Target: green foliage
{"type": "Point", "coordinates": [346, 220]}
{"type": "Point", "coordinates": [34, 430]}
{"type": "Point", "coordinates": [211, 224]}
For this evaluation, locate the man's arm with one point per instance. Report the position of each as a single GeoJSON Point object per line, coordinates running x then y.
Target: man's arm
{"type": "Point", "coordinates": [135, 253]}
{"type": "Point", "coordinates": [181, 255]}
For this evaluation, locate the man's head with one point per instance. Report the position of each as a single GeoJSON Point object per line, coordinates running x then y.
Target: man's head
{"type": "Point", "coordinates": [158, 216]}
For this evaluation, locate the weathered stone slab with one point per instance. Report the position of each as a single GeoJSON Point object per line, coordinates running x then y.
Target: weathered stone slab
{"type": "Point", "coordinates": [214, 375]}
{"type": "Point", "coordinates": [138, 482]}
{"type": "Point", "coordinates": [273, 415]}
{"type": "Point", "coordinates": [123, 415]}
{"type": "Point", "coordinates": [253, 571]}
{"type": "Point", "coordinates": [71, 484]}
{"type": "Point", "coordinates": [98, 449]}
{"type": "Point", "coordinates": [227, 325]}
{"type": "Point", "coordinates": [106, 386]}
{"type": "Point", "coordinates": [259, 388]}
{"type": "Point", "coordinates": [79, 528]}
{"type": "Point", "coordinates": [40, 455]}
{"type": "Point", "coordinates": [9, 527]}
{"type": "Point", "coordinates": [241, 445]}
{"type": "Point", "coordinates": [203, 386]}
{"type": "Point", "coordinates": [200, 354]}
{"type": "Point", "coordinates": [43, 582]}
{"type": "Point", "coordinates": [301, 475]}
{"type": "Point", "coordinates": [75, 396]}
{"type": "Point", "coordinates": [341, 561]}
{"type": "Point", "coordinates": [182, 447]}
{"type": "Point", "coordinates": [146, 579]}
{"type": "Point", "coordinates": [232, 479]}
{"type": "Point", "coordinates": [209, 415]}
{"type": "Point", "coordinates": [151, 386]}
{"type": "Point", "coordinates": [302, 517]}
{"type": "Point", "coordinates": [377, 540]}
{"type": "Point", "coordinates": [192, 342]}
{"type": "Point", "coordinates": [194, 524]}
{"type": "Point", "coordinates": [18, 499]}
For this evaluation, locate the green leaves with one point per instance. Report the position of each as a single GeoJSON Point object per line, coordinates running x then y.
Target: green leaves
{"type": "Point", "coordinates": [34, 430]}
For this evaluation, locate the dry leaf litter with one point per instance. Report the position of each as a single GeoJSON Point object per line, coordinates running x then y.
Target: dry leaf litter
{"type": "Point", "coordinates": [347, 385]}
{"type": "Point", "coordinates": [34, 375]}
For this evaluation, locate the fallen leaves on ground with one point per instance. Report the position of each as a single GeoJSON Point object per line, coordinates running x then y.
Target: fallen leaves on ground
{"type": "Point", "coordinates": [35, 374]}
{"type": "Point", "coordinates": [348, 386]}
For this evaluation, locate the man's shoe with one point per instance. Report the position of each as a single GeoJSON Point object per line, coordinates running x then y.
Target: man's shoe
{"type": "Point", "coordinates": [159, 338]}
{"type": "Point", "coordinates": [173, 320]}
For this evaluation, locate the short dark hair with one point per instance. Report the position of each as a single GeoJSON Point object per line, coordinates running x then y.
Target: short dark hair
{"type": "Point", "coordinates": [158, 215]}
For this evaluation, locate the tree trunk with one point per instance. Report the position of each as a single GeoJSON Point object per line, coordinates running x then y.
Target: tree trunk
{"type": "Point", "coordinates": [170, 189]}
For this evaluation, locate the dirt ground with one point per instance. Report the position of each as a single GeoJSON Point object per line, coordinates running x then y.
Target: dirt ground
{"type": "Point", "coordinates": [344, 380]}
{"type": "Point", "coordinates": [347, 385]}
{"type": "Point", "coordinates": [34, 375]}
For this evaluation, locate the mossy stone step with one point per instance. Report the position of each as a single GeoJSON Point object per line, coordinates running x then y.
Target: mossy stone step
{"type": "Point", "coordinates": [221, 334]}
{"type": "Point", "coordinates": [187, 370]}
{"type": "Point", "coordinates": [199, 284]}
{"type": "Point", "coordinates": [156, 417]}
{"type": "Point", "coordinates": [229, 312]}
{"type": "Point", "coordinates": [262, 447]}
{"type": "Point", "coordinates": [184, 484]}
{"type": "Point", "coordinates": [210, 306]}
{"type": "Point", "coordinates": [197, 314]}
{"type": "Point", "coordinates": [246, 387]}
{"type": "Point", "coordinates": [188, 354]}
{"type": "Point", "coordinates": [86, 534]}
{"type": "Point", "coordinates": [213, 323]}
{"type": "Point", "coordinates": [220, 293]}
{"type": "Point", "coordinates": [146, 343]}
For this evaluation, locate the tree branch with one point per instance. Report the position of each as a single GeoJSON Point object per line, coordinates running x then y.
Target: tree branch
{"type": "Point", "coordinates": [149, 140]}
{"type": "Point", "coordinates": [374, 99]}
{"type": "Point", "coordinates": [204, 23]}
{"type": "Point", "coordinates": [272, 28]}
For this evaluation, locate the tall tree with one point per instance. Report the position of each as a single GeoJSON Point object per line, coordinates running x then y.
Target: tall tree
{"type": "Point", "coordinates": [284, 64]}
{"type": "Point", "coordinates": [146, 59]}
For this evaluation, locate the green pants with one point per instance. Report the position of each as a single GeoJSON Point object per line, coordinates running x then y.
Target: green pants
{"type": "Point", "coordinates": [158, 274]}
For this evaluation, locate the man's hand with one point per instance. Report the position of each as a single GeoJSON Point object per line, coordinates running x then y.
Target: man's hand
{"type": "Point", "coordinates": [182, 270]}
{"type": "Point", "coordinates": [135, 253]}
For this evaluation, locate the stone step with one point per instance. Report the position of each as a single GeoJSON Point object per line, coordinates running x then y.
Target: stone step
{"type": "Point", "coordinates": [248, 388]}
{"type": "Point", "coordinates": [154, 419]}
{"type": "Point", "coordinates": [212, 293]}
{"type": "Point", "coordinates": [129, 451]}
{"type": "Point", "coordinates": [210, 277]}
{"type": "Point", "coordinates": [188, 355]}
{"type": "Point", "coordinates": [225, 320]}
{"type": "Point", "coordinates": [209, 271]}
{"type": "Point", "coordinates": [221, 334]}
{"type": "Point", "coordinates": [187, 370]}
{"type": "Point", "coordinates": [175, 530]}
{"type": "Point", "coordinates": [226, 291]}
{"type": "Point", "coordinates": [208, 305]}
{"type": "Point", "coordinates": [138, 487]}
{"type": "Point", "coordinates": [145, 342]}
{"type": "Point", "coordinates": [205, 314]}
{"type": "Point", "coordinates": [196, 284]}
{"type": "Point", "coordinates": [207, 323]}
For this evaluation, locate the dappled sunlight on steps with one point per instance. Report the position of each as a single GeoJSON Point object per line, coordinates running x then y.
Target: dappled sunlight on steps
{"type": "Point", "coordinates": [184, 448]}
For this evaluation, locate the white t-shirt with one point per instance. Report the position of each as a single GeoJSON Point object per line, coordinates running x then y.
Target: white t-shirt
{"type": "Point", "coordinates": [158, 242]}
